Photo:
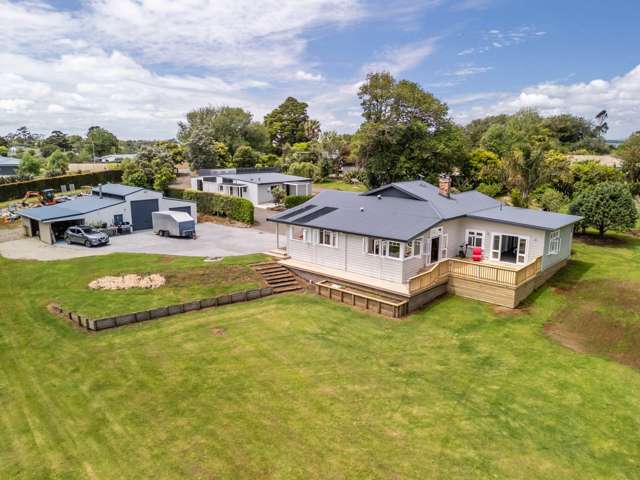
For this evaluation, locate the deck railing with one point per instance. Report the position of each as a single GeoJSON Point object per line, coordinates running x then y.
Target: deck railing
{"type": "Point", "coordinates": [501, 275]}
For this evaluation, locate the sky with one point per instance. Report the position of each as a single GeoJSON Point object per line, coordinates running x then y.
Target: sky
{"type": "Point", "coordinates": [136, 67]}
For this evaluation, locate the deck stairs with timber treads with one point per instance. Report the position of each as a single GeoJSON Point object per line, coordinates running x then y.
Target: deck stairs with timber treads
{"type": "Point", "coordinates": [278, 277]}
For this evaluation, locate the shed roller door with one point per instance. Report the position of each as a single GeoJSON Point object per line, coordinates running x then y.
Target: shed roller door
{"type": "Point", "coordinates": [141, 213]}
{"type": "Point", "coordinates": [181, 209]}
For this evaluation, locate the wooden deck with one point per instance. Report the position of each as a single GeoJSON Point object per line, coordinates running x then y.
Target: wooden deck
{"type": "Point", "coordinates": [498, 284]}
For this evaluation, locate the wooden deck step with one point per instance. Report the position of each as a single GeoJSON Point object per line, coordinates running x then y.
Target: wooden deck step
{"type": "Point", "coordinates": [278, 277]}
{"type": "Point", "coordinates": [287, 289]}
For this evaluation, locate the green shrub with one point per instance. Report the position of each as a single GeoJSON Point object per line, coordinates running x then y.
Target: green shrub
{"type": "Point", "coordinates": [491, 189]}
{"type": "Point", "coordinates": [295, 200]}
{"type": "Point", "coordinates": [208, 203]}
{"type": "Point", "coordinates": [13, 191]}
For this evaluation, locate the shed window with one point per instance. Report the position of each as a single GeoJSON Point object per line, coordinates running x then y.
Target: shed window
{"type": "Point", "coordinates": [328, 238]}
{"type": "Point", "coordinates": [554, 243]}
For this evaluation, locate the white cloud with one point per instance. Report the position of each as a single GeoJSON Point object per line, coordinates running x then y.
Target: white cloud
{"type": "Point", "coordinates": [470, 70]}
{"type": "Point", "coordinates": [302, 75]}
{"type": "Point", "coordinates": [400, 59]}
{"type": "Point", "coordinates": [620, 96]}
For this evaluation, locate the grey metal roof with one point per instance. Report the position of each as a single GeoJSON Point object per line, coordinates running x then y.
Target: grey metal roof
{"type": "Point", "coordinates": [9, 161]}
{"type": "Point", "coordinates": [526, 217]}
{"type": "Point", "coordinates": [403, 210]}
{"type": "Point", "coordinates": [392, 218]}
{"type": "Point", "coordinates": [262, 178]}
{"type": "Point", "coordinates": [71, 208]}
{"type": "Point", "coordinates": [117, 189]}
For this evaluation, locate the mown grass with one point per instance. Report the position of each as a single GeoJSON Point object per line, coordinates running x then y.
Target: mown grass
{"type": "Point", "coordinates": [187, 278]}
{"type": "Point", "coordinates": [341, 185]}
{"type": "Point", "coordinates": [296, 386]}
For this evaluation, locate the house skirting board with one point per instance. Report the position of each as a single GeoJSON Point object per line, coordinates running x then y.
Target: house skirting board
{"type": "Point", "coordinates": [367, 297]}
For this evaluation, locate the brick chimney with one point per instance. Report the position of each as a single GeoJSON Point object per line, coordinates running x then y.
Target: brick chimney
{"type": "Point", "coordinates": [444, 185]}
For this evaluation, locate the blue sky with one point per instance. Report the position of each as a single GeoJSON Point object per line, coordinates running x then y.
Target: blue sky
{"type": "Point", "coordinates": [137, 66]}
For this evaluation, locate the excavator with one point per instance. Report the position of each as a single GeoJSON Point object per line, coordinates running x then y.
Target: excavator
{"type": "Point", "coordinates": [46, 197]}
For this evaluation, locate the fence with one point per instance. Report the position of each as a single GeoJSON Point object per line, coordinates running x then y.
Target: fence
{"type": "Point", "coordinates": [95, 325]}
{"type": "Point", "coordinates": [13, 191]}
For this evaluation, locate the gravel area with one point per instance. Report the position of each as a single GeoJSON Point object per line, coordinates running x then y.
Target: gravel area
{"type": "Point", "coordinates": [213, 241]}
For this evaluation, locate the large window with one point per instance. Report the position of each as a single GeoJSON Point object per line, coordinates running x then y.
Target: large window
{"type": "Point", "coordinates": [328, 238]}
{"type": "Point", "coordinates": [413, 248]}
{"type": "Point", "coordinates": [554, 243]}
{"type": "Point", "coordinates": [475, 238]}
{"type": "Point", "coordinates": [300, 234]}
{"type": "Point", "coordinates": [390, 249]}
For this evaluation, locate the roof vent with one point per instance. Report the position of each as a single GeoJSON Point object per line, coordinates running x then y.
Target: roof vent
{"type": "Point", "coordinates": [362, 209]}
{"type": "Point", "coordinates": [379, 197]}
{"type": "Point", "coordinates": [100, 190]}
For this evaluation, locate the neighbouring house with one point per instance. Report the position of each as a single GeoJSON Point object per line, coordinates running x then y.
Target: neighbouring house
{"type": "Point", "coordinates": [403, 244]}
{"type": "Point", "coordinates": [8, 166]}
{"type": "Point", "coordinates": [110, 204]}
{"type": "Point", "coordinates": [256, 185]}
{"type": "Point", "coordinates": [116, 157]}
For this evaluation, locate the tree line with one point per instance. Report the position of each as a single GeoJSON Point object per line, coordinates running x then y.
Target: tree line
{"type": "Point", "coordinates": [407, 133]}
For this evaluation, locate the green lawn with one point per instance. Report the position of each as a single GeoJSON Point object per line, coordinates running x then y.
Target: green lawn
{"type": "Point", "coordinates": [295, 386]}
{"type": "Point", "coordinates": [341, 185]}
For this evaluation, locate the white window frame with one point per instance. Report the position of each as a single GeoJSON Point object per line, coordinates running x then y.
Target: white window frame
{"type": "Point", "coordinates": [333, 238]}
{"type": "Point", "coordinates": [525, 255]}
{"type": "Point", "coordinates": [415, 252]}
{"type": "Point", "coordinates": [377, 245]}
{"type": "Point", "coordinates": [475, 234]}
{"type": "Point", "coordinates": [307, 236]}
{"type": "Point", "coordinates": [384, 250]}
{"type": "Point", "coordinates": [555, 243]}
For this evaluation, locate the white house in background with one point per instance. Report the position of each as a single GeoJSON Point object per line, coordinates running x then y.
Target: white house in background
{"type": "Point", "coordinates": [110, 204]}
{"type": "Point", "coordinates": [408, 238]}
{"type": "Point", "coordinates": [255, 185]}
{"type": "Point", "coordinates": [116, 157]}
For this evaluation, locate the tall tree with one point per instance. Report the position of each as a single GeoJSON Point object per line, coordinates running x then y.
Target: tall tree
{"type": "Point", "coordinates": [100, 142]}
{"type": "Point", "coordinates": [229, 125]}
{"type": "Point", "coordinates": [286, 123]}
{"type": "Point", "coordinates": [407, 132]}
{"type": "Point", "coordinates": [203, 151]}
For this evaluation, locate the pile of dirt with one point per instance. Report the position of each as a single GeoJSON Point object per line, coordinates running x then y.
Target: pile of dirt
{"type": "Point", "coordinates": [600, 318]}
{"type": "Point", "coordinates": [126, 282]}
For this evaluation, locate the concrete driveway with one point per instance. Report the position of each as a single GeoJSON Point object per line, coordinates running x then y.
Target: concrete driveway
{"type": "Point", "coordinates": [213, 241]}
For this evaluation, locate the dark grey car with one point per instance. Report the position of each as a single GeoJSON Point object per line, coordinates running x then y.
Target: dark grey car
{"type": "Point", "coordinates": [85, 235]}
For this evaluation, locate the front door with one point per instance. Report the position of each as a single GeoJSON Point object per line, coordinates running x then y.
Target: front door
{"type": "Point", "coordinates": [435, 250]}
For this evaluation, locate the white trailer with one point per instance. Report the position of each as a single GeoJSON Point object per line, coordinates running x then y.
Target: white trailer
{"type": "Point", "coordinates": [173, 223]}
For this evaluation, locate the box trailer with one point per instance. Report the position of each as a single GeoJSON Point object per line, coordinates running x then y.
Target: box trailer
{"type": "Point", "coordinates": [173, 223]}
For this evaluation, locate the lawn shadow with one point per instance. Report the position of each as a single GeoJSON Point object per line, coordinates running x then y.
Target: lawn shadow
{"type": "Point", "coordinates": [612, 240]}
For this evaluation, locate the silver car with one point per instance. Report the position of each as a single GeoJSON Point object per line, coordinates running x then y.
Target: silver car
{"type": "Point", "coordinates": [85, 235]}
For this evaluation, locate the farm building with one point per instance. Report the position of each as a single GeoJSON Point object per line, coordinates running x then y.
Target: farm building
{"type": "Point", "coordinates": [255, 185]}
{"type": "Point", "coordinates": [8, 166]}
{"type": "Point", "coordinates": [110, 204]}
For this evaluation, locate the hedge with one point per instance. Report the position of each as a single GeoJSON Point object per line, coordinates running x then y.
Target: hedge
{"type": "Point", "coordinates": [14, 191]}
{"type": "Point", "coordinates": [208, 203]}
{"type": "Point", "coordinates": [295, 200]}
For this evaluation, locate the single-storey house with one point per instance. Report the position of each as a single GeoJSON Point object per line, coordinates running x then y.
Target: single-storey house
{"type": "Point", "coordinates": [412, 241]}
{"type": "Point", "coordinates": [253, 184]}
{"type": "Point", "coordinates": [8, 166]}
{"type": "Point", "coordinates": [111, 204]}
{"type": "Point", "coordinates": [116, 157]}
